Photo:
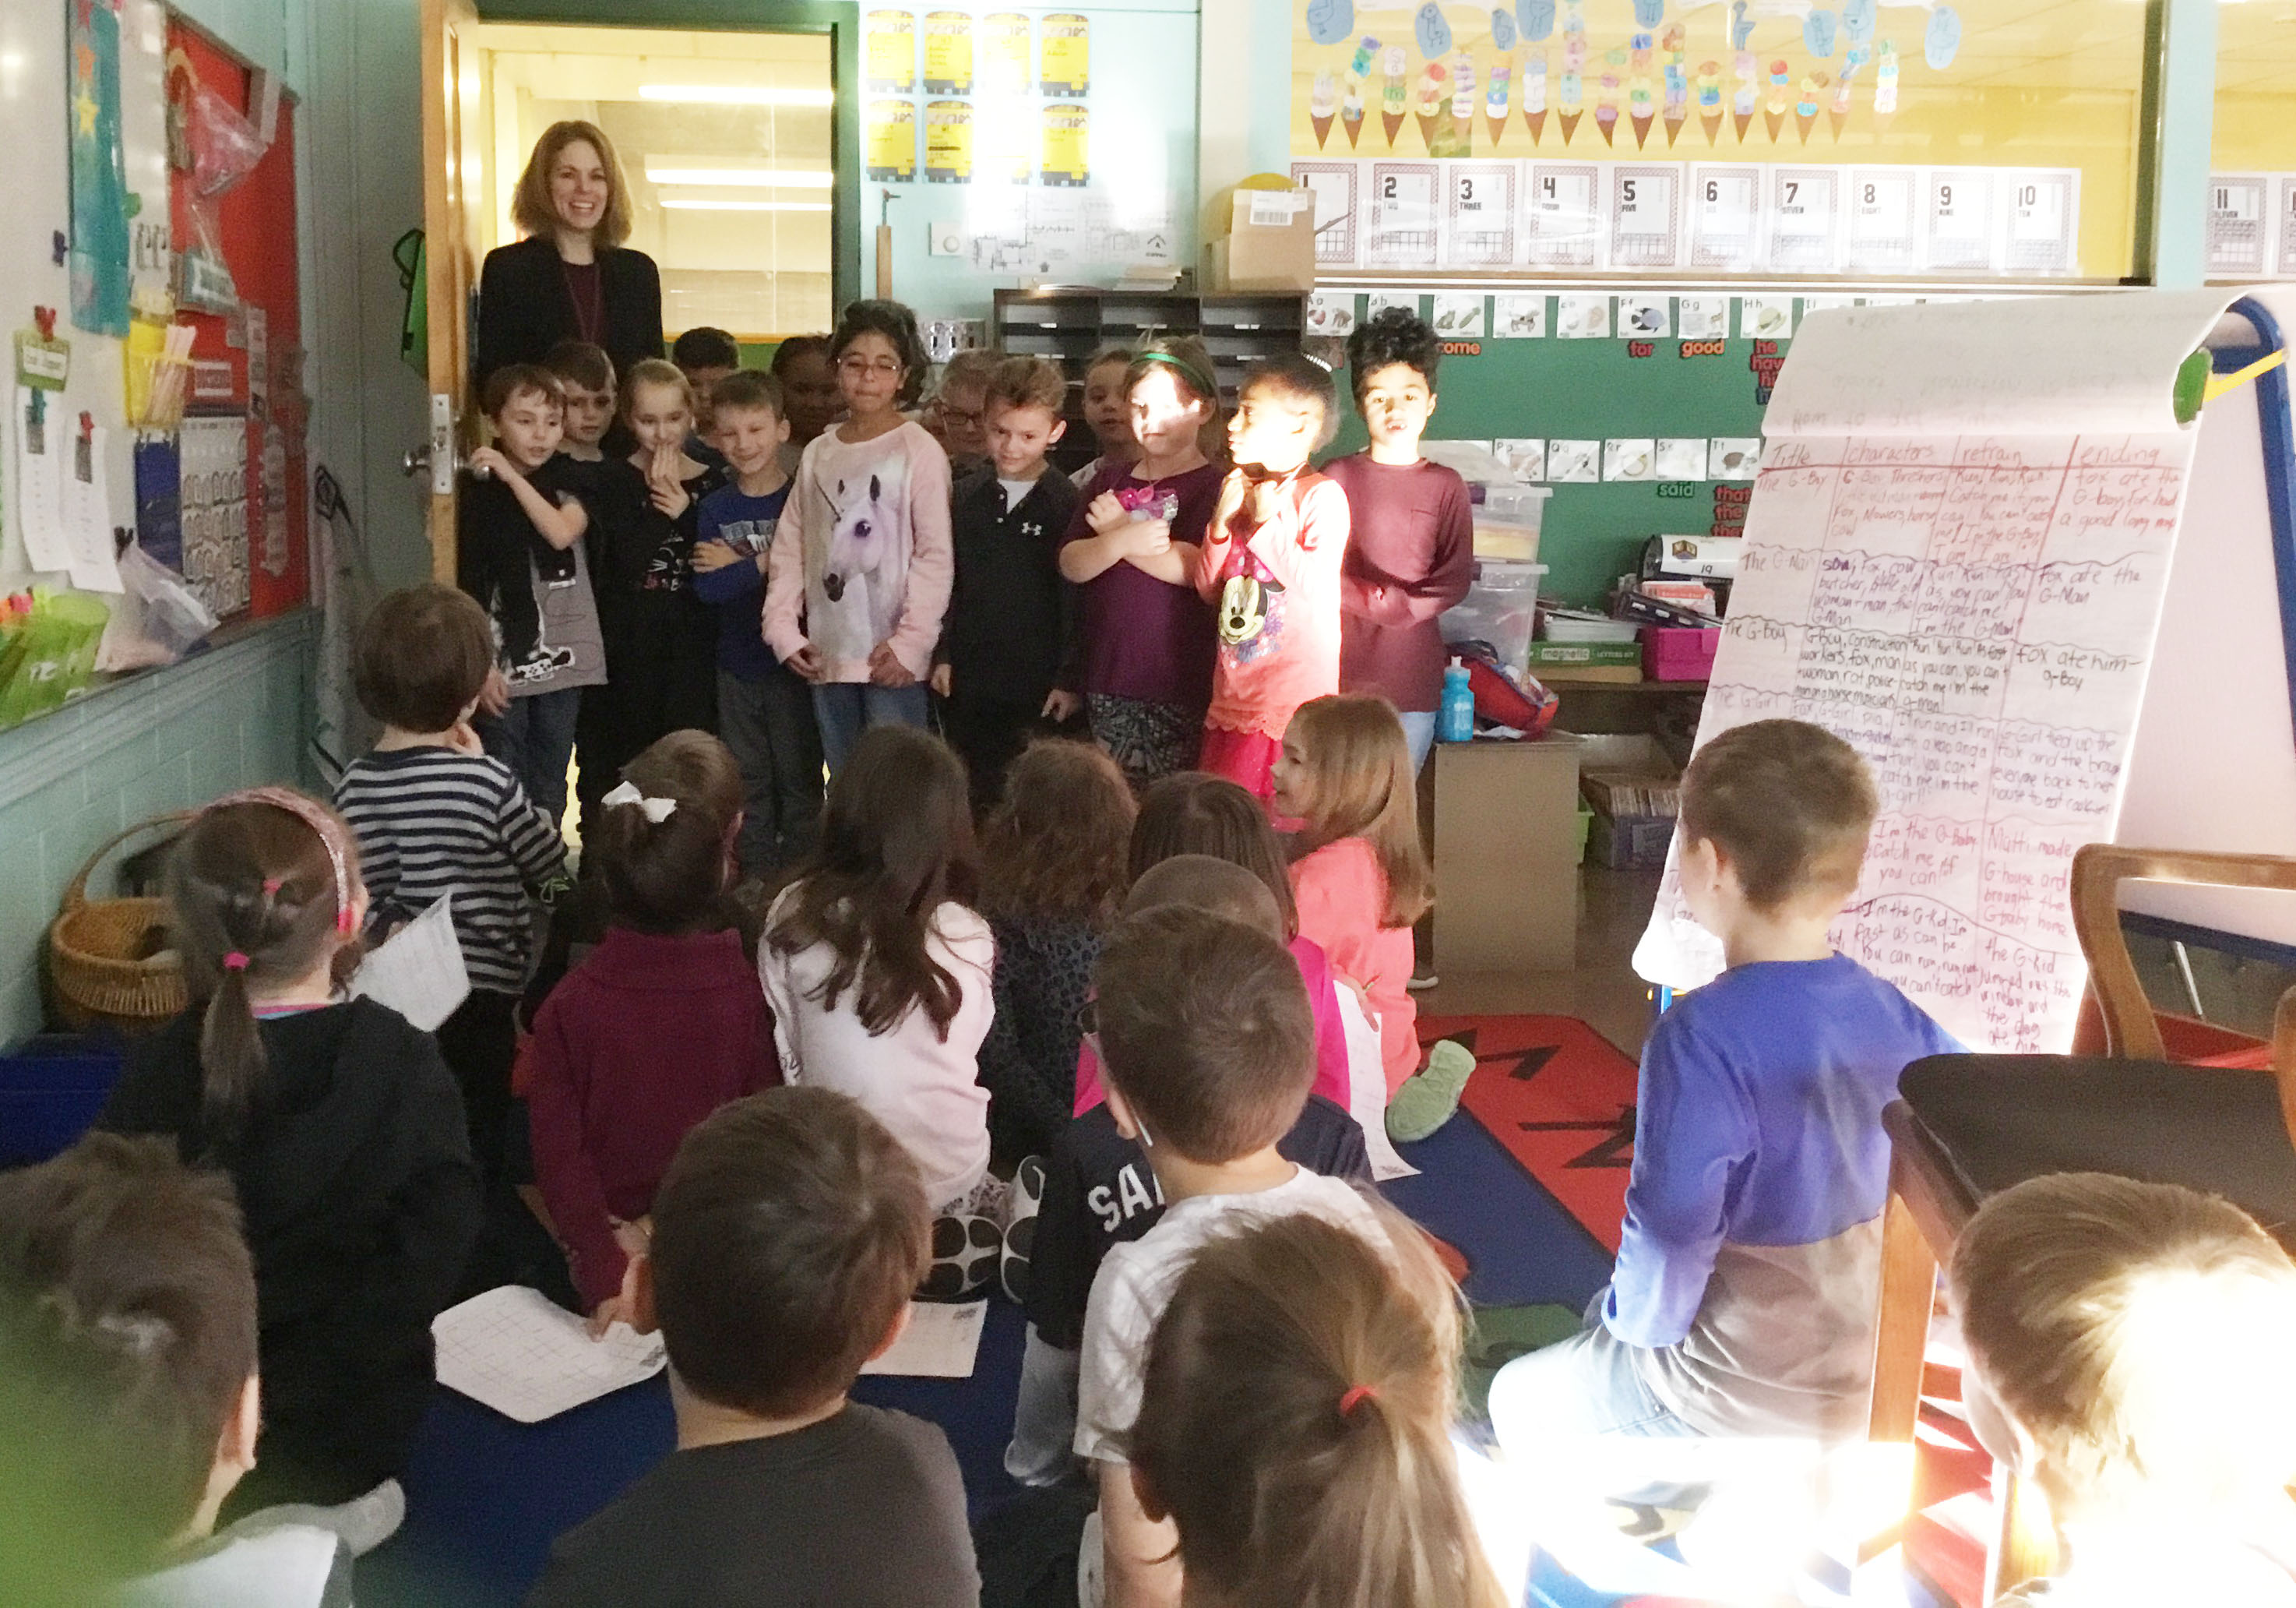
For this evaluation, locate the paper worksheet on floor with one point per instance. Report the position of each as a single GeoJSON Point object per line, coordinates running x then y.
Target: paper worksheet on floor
{"type": "Point", "coordinates": [1734, 217]}
{"type": "Point", "coordinates": [1959, 568]}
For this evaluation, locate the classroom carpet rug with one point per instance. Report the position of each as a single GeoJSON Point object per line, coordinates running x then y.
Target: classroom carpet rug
{"type": "Point", "coordinates": [1525, 1189]}
{"type": "Point", "coordinates": [1560, 1098]}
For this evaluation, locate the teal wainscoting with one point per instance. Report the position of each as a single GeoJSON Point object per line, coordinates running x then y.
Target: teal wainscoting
{"type": "Point", "coordinates": [236, 715]}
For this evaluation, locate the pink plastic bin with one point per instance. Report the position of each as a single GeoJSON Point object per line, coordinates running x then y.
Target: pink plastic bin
{"type": "Point", "coordinates": [1686, 653]}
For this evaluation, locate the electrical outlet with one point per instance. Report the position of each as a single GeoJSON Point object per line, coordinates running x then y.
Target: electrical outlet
{"type": "Point", "coordinates": [944, 240]}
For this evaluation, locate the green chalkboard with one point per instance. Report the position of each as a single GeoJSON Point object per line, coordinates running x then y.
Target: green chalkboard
{"type": "Point", "coordinates": [1596, 389]}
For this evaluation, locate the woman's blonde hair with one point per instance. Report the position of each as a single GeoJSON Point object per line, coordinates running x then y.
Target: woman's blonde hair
{"type": "Point", "coordinates": [652, 371]}
{"type": "Point", "coordinates": [1361, 785]}
{"type": "Point", "coordinates": [2140, 1334]}
{"type": "Point", "coordinates": [1295, 1418]}
{"type": "Point", "coordinates": [529, 203]}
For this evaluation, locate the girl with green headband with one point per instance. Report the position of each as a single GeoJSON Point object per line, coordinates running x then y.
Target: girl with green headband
{"type": "Point", "coordinates": [1143, 658]}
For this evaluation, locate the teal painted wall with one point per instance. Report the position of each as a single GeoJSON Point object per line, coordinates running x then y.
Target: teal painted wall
{"type": "Point", "coordinates": [233, 716]}
{"type": "Point", "coordinates": [241, 714]}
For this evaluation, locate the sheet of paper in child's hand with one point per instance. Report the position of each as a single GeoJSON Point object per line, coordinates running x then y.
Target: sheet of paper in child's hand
{"type": "Point", "coordinates": [514, 1350]}
{"type": "Point", "coordinates": [418, 971]}
{"type": "Point", "coordinates": [940, 1342]}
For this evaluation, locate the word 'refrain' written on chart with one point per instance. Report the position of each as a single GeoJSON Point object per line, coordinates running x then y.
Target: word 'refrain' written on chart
{"type": "Point", "coordinates": [1957, 565]}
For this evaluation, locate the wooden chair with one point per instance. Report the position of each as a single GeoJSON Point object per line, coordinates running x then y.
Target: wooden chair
{"type": "Point", "coordinates": [1967, 1126]}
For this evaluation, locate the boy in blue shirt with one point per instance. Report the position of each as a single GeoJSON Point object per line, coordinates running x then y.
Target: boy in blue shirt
{"type": "Point", "coordinates": [765, 709]}
{"type": "Point", "coordinates": [1742, 1301]}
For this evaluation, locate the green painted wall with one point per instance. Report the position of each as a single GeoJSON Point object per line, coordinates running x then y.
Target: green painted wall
{"type": "Point", "coordinates": [1591, 390]}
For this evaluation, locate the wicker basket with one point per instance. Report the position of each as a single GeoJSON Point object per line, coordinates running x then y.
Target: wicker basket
{"type": "Point", "coordinates": [108, 959]}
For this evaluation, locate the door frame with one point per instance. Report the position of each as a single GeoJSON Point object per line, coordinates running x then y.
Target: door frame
{"type": "Point", "coordinates": [841, 19]}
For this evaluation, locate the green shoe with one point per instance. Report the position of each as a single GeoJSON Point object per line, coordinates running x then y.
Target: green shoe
{"type": "Point", "coordinates": [1430, 1096]}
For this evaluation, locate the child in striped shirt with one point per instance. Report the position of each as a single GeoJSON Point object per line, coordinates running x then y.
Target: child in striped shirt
{"type": "Point", "coordinates": [435, 817]}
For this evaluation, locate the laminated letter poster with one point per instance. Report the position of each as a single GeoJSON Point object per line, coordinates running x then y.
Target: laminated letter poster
{"type": "Point", "coordinates": [1958, 565]}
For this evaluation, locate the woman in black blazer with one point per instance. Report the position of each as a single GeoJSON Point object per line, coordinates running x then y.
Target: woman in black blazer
{"type": "Point", "coordinates": [570, 278]}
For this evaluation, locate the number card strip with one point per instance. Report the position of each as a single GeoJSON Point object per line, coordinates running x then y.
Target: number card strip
{"type": "Point", "coordinates": [1404, 218]}
{"type": "Point", "coordinates": [1480, 213]}
{"type": "Point", "coordinates": [1961, 232]}
{"type": "Point", "coordinates": [1646, 215]}
{"type": "Point", "coordinates": [1563, 216]}
{"type": "Point", "coordinates": [1338, 233]}
{"type": "Point", "coordinates": [2240, 231]}
{"type": "Point", "coordinates": [1884, 219]}
{"type": "Point", "coordinates": [1725, 216]}
{"type": "Point", "coordinates": [1805, 216]}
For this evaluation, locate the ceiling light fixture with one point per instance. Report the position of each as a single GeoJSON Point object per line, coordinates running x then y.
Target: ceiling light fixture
{"type": "Point", "coordinates": [713, 203]}
{"type": "Point", "coordinates": [737, 95]}
{"type": "Point", "coordinates": [776, 178]}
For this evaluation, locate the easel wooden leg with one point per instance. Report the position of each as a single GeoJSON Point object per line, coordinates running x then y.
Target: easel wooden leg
{"type": "Point", "coordinates": [1901, 1334]}
{"type": "Point", "coordinates": [1902, 1321]}
{"type": "Point", "coordinates": [2024, 1544]}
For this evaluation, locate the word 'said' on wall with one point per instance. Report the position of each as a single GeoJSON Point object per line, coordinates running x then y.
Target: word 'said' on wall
{"type": "Point", "coordinates": [1959, 568]}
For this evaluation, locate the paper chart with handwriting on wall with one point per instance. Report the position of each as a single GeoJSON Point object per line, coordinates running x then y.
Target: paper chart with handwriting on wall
{"type": "Point", "coordinates": [1959, 568]}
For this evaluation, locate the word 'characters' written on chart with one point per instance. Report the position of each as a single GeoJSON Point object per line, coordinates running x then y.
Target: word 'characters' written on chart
{"type": "Point", "coordinates": [1965, 585]}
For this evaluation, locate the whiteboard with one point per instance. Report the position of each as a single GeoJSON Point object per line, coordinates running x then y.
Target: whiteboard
{"type": "Point", "coordinates": [2214, 765]}
{"type": "Point", "coordinates": [32, 132]}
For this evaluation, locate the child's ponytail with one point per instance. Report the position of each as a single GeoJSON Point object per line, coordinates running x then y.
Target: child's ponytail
{"type": "Point", "coordinates": [1294, 1422]}
{"type": "Point", "coordinates": [663, 839]}
{"type": "Point", "coordinates": [261, 888]}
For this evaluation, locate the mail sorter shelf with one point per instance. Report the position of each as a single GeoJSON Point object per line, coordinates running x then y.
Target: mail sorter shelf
{"type": "Point", "coordinates": [1070, 325]}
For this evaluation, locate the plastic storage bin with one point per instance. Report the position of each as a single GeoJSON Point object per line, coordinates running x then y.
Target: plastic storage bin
{"type": "Point", "coordinates": [51, 1086]}
{"type": "Point", "coordinates": [1500, 609]}
{"type": "Point", "coordinates": [1682, 654]}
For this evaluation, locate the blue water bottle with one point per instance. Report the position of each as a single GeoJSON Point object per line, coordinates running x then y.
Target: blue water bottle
{"type": "Point", "coordinates": [1455, 723]}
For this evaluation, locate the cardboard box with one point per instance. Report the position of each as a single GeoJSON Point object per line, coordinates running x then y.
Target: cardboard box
{"type": "Point", "coordinates": [1268, 243]}
{"type": "Point", "coordinates": [1506, 854]}
{"type": "Point", "coordinates": [1636, 842]}
{"type": "Point", "coordinates": [1633, 785]}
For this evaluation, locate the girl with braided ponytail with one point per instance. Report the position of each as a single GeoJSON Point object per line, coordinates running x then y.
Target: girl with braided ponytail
{"type": "Point", "coordinates": [1295, 1421]}
{"type": "Point", "coordinates": [342, 1132]}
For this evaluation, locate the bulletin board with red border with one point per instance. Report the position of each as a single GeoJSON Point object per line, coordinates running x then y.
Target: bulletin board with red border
{"type": "Point", "coordinates": [258, 231]}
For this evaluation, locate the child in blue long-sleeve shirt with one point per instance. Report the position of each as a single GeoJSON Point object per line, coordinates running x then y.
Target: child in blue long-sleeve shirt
{"type": "Point", "coordinates": [1743, 1301]}
{"type": "Point", "coordinates": [765, 710]}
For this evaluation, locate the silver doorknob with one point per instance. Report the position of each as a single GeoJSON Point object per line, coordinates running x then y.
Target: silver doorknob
{"type": "Point", "coordinates": [415, 461]}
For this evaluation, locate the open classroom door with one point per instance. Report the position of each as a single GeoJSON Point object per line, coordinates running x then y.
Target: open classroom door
{"type": "Point", "coordinates": [450, 130]}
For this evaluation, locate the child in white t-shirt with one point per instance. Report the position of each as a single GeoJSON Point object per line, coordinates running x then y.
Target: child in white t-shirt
{"type": "Point", "coordinates": [1204, 1036]}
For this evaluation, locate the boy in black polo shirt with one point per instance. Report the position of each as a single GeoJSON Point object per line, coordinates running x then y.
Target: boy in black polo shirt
{"type": "Point", "coordinates": [1010, 613]}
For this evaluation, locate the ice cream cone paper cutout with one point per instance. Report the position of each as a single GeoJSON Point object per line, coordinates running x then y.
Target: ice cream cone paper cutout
{"type": "Point", "coordinates": [1497, 126]}
{"type": "Point", "coordinates": [1711, 121]}
{"type": "Point", "coordinates": [1674, 123]}
{"type": "Point", "coordinates": [1570, 121]}
{"type": "Point", "coordinates": [1777, 120]}
{"type": "Point", "coordinates": [1745, 120]}
{"type": "Point", "coordinates": [1394, 121]}
{"type": "Point", "coordinates": [1641, 128]}
{"type": "Point", "coordinates": [1355, 130]}
{"type": "Point", "coordinates": [1805, 121]}
{"type": "Point", "coordinates": [1839, 119]}
{"type": "Point", "coordinates": [1537, 121]}
{"type": "Point", "coordinates": [1608, 130]}
{"type": "Point", "coordinates": [1428, 122]}
{"type": "Point", "coordinates": [1323, 130]}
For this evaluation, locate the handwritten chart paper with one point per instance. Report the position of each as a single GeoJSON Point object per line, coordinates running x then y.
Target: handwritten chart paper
{"type": "Point", "coordinates": [1958, 568]}
{"type": "Point", "coordinates": [514, 1350]}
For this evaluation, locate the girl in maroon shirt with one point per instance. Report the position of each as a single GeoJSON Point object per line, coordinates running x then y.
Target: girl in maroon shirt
{"type": "Point", "coordinates": [1145, 639]}
{"type": "Point", "coordinates": [660, 1025]}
